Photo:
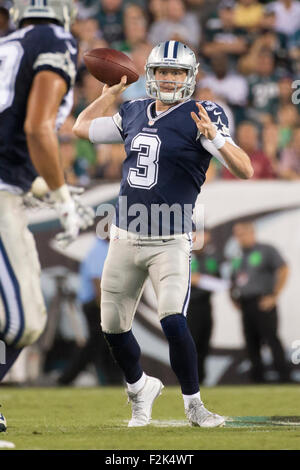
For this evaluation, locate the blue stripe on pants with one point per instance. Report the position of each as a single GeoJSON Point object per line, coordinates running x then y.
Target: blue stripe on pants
{"type": "Point", "coordinates": [4, 300]}
{"type": "Point", "coordinates": [187, 297]}
{"type": "Point", "coordinates": [17, 294]}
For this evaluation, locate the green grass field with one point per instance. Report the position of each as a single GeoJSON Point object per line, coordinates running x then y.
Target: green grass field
{"type": "Point", "coordinates": [96, 418]}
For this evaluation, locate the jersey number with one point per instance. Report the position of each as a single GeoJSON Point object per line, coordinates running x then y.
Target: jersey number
{"type": "Point", "coordinates": [11, 54]}
{"type": "Point", "coordinates": [146, 173]}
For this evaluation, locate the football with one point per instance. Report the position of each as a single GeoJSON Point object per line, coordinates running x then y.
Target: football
{"type": "Point", "coordinates": [109, 66]}
{"type": "Point", "coordinates": [39, 187]}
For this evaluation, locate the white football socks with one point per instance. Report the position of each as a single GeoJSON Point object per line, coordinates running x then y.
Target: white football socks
{"type": "Point", "coordinates": [188, 398]}
{"type": "Point", "coordinates": [137, 386]}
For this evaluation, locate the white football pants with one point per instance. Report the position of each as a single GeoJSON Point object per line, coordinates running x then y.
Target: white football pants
{"type": "Point", "coordinates": [22, 309]}
{"type": "Point", "coordinates": [130, 260]}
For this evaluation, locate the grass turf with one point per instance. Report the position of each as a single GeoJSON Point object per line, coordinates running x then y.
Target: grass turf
{"type": "Point", "coordinates": [96, 418]}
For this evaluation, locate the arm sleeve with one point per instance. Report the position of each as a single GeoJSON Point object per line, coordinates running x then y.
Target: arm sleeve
{"type": "Point", "coordinates": [104, 130]}
{"type": "Point", "coordinates": [220, 120]}
{"type": "Point", "coordinates": [213, 151]}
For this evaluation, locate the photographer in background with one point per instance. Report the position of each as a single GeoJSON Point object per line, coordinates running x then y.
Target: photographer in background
{"type": "Point", "coordinates": [258, 277]}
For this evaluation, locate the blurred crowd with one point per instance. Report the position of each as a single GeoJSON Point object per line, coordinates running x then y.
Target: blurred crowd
{"type": "Point", "coordinates": [249, 55]}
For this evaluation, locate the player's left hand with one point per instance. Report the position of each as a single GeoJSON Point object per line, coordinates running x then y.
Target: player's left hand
{"type": "Point", "coordinates": [203, 122]}
{"type": "Point", "coordinates": [267, 302]}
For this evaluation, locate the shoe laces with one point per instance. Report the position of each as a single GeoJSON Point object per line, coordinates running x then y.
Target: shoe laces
{"type": "Point", "coordinates": [198, 410]}
{"type": "Point", "coordinates": [138, 404]}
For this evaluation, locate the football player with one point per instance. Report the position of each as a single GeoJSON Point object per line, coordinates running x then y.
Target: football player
{"type": "Point", "coordinates": [37, 73]}
{"type": "Point", "coordinates": [169, 141]}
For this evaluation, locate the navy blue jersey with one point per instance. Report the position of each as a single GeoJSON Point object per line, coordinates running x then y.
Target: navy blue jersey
{"type": "Point", "coordinates": [165, 163]}
{"type": "Point", "coordinates": [23, 54]}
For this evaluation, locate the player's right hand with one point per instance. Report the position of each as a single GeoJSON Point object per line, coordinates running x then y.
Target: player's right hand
{"type": "Point", "coordinates": [116, 89]}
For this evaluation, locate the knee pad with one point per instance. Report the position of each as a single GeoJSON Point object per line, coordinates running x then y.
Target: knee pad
{"type": "Point", "coordinates": [113, 321]}
{"type": "Point", "coordinates": [109, 314]}
{"type": "Point", "coordinates": [174, 326]}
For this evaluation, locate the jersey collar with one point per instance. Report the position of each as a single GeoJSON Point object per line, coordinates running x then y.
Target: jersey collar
{"type": "Point", "coordinates": [151, 115]}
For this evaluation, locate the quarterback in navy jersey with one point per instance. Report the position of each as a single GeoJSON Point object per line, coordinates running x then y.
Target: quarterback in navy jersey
{"type": "Point", "coordinates": [175, 168]}
{"type": "Point", "coordinates": [37, 72]}
{"type": "Point", "coordinates": [169, 140]}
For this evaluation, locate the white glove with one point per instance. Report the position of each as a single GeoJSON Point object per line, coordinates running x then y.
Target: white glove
{"type": "Point", "coordinates": [39, 196]}
{"type": "Point", "coordinates": [73, 215]}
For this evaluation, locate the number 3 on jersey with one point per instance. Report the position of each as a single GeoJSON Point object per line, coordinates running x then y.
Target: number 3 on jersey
{"type": "Point", "coordinates": [146, 173]}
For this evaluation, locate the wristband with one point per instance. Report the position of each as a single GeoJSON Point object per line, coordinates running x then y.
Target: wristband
{"type": "Point", "coordinates": [61, 194]}
{"type": "Point", "coordinates": [218, 141]}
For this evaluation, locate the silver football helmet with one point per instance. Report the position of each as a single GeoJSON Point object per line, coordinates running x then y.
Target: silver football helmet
{"type": "Point", "coordinates": [63, 11]}
{"type": "Point", "coordinates": [175, 55]}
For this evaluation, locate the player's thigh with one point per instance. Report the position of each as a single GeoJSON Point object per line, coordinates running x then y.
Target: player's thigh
{"type": "Point", "coordinates": [23, 312]}
{"type": "Point", "coordinates": [170, 275]}
{"type": "Point", "coordinates": [122, 283]}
